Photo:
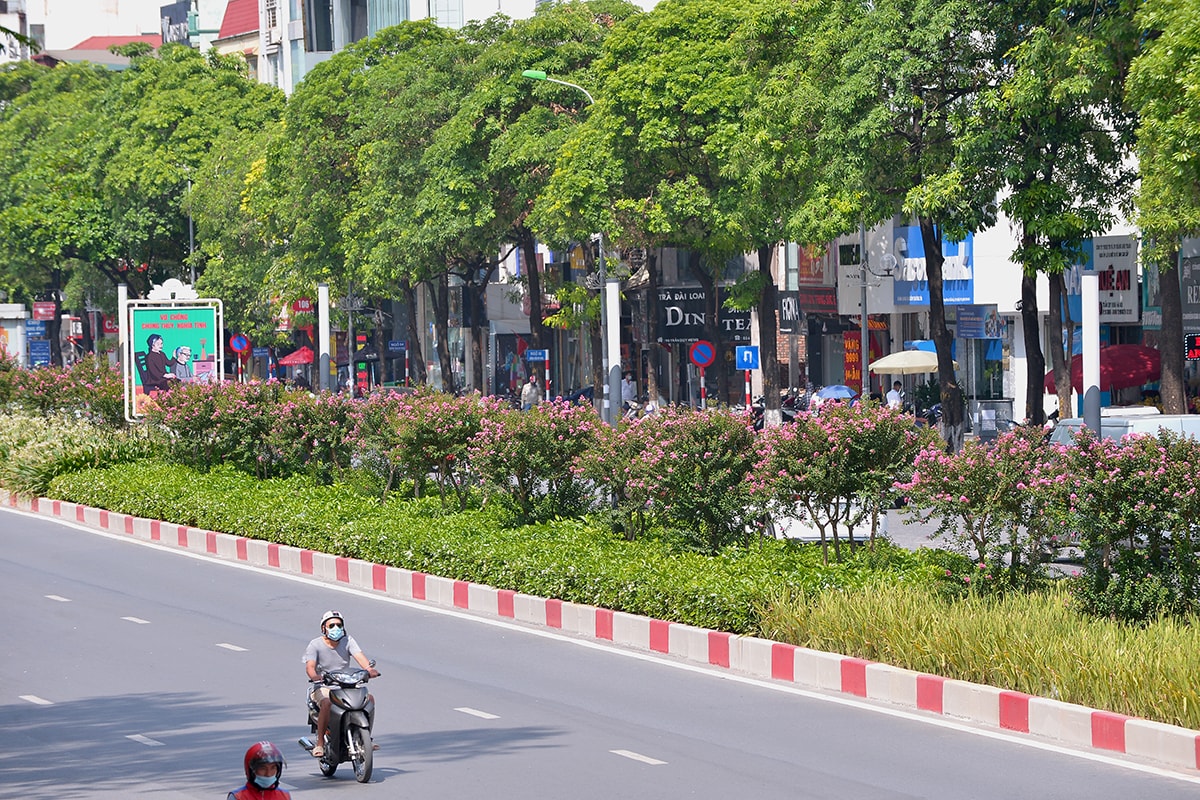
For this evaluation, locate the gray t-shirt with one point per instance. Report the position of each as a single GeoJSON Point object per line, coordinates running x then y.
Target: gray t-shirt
{"type": "Point", "coordinates": [332, 659]}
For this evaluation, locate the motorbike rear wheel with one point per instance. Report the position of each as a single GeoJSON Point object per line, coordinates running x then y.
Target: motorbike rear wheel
{"type": "Point", "coordinates": [362, 751]}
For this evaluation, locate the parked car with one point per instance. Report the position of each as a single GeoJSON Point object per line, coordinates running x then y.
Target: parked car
{"type": "Point", "coordinates": [1117, 425]}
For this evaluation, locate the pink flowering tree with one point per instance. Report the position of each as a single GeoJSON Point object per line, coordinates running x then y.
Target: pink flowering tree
{"type": "Point", "coordinates": [424, 434]}
{"type": "Point", "coordinates": [44, 390]}
{"type": "Point", "coordinates": [312, 434]}
{"type": "Point", "coordinates": [1133, 506]}
{"type": "Point", "coordinates": [97, 390]}
{"type": "Point", "coordinates": [837, 467]}
{"type": "Point", "coordinates": [989, 501]}
{"type": "Point", "coordinates": [213, 423]}
{"type": "Point", "coordinates": [682, 471]}
{"type": "Point", "coordinates": [527, 458]}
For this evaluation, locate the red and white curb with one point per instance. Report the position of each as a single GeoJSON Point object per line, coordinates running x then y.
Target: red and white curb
{"type": "Point", "coordinates": [1069, 724]}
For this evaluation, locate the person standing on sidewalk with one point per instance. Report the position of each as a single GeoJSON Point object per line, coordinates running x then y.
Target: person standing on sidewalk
{"type": "Point", "coordinates": [531, 394]}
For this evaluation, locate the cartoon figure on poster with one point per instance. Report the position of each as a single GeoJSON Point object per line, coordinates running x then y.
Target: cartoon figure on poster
{"type": "Point", "coordinates": [172, 346]}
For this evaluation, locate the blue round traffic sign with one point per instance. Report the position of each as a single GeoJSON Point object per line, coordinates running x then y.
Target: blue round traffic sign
{"type": "Point", "coordinates": [702, 354]}
{"type": "Point", "coordinates": [238, 343]}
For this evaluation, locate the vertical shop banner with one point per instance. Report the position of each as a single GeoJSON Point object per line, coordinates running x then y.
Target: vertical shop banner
{"type": "Point", "coordinates": [791, 317]}
{"type": "Point", "coordinates": [911, 284]}
{"type": "Point", "coordinates": [170, 346]}
{"type": "Point", "coordinates": [852, 360]}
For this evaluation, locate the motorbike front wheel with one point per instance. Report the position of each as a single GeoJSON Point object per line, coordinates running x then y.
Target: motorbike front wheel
{"type": "Point", "coordinates": [362, 752]}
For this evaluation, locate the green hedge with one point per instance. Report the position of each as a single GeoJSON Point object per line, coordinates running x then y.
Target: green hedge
{"type": "Point", "coordinates": [573, 560]}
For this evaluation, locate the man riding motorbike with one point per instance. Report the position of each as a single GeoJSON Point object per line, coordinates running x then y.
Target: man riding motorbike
{"type": "Point", "coordinates": [330, 652]}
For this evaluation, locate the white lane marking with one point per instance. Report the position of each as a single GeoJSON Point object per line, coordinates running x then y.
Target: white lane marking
{"type": "Point", "coordinates": [137, 620]}
{"type": "Point", "coordinates": [475, 712]}
{"type": "Point", "coordinates": [58, 598]}
{"type": "Point", "coordinates": [37, 701]}
{"type": "Point", "coordinates": [654, 762]}
{"type": "Point", "coordinates": [912, 716]}
{"type": "Point", "coordinates": [232, 647]}
{"type": "Point", "coordinates": [146, 740]}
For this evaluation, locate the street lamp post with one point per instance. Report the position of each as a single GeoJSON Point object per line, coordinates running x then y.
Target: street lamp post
{"type": "Point", "coordinates": [191, 237]}
{"type": "Point", "coordinates": [889, 261]}
{"type": "Point", "coordinates": [610, 301]}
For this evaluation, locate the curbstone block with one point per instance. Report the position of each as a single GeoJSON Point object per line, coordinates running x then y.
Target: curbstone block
{"type": "Point", "coordinates": [971, 701]}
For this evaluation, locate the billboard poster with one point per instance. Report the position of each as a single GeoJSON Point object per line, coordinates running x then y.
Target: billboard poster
{"type": "Point", "coordinates": [171, 345]}
{"type": "Point", "coordinates": [911, 284]}
{"type": "Point", "coordinates": [981, 322]}
{"type": "Point", "coordinates": [1114, 259]}
{"type": "Point", "coordinates": [1151, 298]}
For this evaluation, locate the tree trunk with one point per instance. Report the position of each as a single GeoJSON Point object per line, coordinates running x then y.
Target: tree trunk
{"type": "Point", "coordinates": [953, 421]}
{"type": "Point", "coordinates": [1170, 384]}
{"type": "Point", "coordinates": [416, 353]}
{"type": "Point", "coordinates": [768, 338]}
{"type": "Point", "coordinates": [1035, 361]}
{"type": "Point", "coordinates": [655, 357]}
{"type": "Point", "coordinates": [1060, 350]}
{"type": "Point", "coordinates": [441, 324]}
{"type": "Point", "coordinates": [528, 245]}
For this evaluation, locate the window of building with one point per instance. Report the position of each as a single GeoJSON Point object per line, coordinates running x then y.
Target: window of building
{"type": "Point", "coordinates": [318, 26]}
{"type": "Point", "coordinates": [447, 13]}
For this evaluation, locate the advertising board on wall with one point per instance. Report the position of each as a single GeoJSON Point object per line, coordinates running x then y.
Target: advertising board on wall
{"type": "Point", "coordinates": [1114, 259]}
{"type": "Point", "coordinates": [682, 311]}
{"type": "Point", "coordinates": [911, 284]}
{"type": "Point", "coordinates": [171, 344]}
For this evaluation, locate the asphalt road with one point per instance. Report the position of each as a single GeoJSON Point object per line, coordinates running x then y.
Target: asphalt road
{"type": "Point", "coordinates": [134, 670]}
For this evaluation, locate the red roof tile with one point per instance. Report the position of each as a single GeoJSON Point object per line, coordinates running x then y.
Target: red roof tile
{"type": "Point", "coordinates": [105, 42]}
{"type": "Point", "coordinates": [241, 16]}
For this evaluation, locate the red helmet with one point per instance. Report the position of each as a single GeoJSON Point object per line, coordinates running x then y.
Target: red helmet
{"type": "Point", "coordinates": [263, 753]}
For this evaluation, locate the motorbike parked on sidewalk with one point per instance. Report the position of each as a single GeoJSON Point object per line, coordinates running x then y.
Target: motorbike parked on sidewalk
{"type": "Point", "coordinates": [351, 717]}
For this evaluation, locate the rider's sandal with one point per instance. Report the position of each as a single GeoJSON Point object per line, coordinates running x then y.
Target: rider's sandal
{"type": "Point", "coordinates": [318, 751]}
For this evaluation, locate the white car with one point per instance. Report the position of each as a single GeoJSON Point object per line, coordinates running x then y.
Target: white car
{"type": "Point", "coordinates": [1116, 426]}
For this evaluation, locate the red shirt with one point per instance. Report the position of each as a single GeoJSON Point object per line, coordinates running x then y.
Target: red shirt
{"type": "Point", "coordinates": [252, 792]}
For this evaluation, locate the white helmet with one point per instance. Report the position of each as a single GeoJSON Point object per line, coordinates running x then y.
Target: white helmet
{"type": "Point", "coordinates": [328, 615]}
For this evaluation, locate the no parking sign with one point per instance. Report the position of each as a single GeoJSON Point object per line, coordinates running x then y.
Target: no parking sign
{"type": "Point", "coordinates": [702, 354]}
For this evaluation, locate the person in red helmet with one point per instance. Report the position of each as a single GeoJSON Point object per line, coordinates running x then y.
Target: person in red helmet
{"type": "Point", "coordinates": [264, 767]}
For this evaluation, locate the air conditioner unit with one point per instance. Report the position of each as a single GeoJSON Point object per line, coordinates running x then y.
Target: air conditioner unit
{"type": "Point", "coordinates": [271, 36]}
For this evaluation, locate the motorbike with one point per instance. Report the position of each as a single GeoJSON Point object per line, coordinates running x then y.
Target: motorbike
{"type": "Point", "coordinates": [351, 716]}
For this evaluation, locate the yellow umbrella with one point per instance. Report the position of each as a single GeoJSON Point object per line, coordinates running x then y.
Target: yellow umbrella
{"type": "Point", "coordinates": [907, 362]}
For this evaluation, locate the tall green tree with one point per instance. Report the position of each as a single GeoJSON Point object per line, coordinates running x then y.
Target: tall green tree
{"type": "Point", "coordinates": [166, 113]}
{"type": "Point", "coordinates": [659, 164]}
{"type": "Point", "coordinates": [1057, 126]}
{"type": "Point", "coordinates": [491, 161]}
{"type": "Point", "coordinates": [421, 88]}
{"type": "Point", "coordinates": [901, 94]}
{"type": "Point", "coordinates": [1162, 88]}
{"type": "Point", "coordinates": [52, 219]}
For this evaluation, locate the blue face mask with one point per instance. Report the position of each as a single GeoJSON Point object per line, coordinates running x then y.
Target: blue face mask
{"type": "Point", "coordinates": [266, 781]}
{"type": "Point", "coordinates": [335, 632]}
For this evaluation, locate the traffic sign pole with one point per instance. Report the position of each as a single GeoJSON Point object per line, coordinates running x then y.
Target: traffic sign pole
{"type": "Point", "coordinates": [406, 365]}
{"type": "Point", "coordinates": [547, 376]}
{"type": "Point", "coordinates": [747, 390]}
{"type": "Point", "coordinates": [703, 392]}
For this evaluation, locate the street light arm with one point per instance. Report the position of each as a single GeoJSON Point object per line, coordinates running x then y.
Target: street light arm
{"type": "Point", "coordinates": [538, 75]}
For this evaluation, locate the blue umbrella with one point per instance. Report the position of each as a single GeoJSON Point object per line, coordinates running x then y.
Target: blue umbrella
{"type": "Point", "coordinates": [836, 392]}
